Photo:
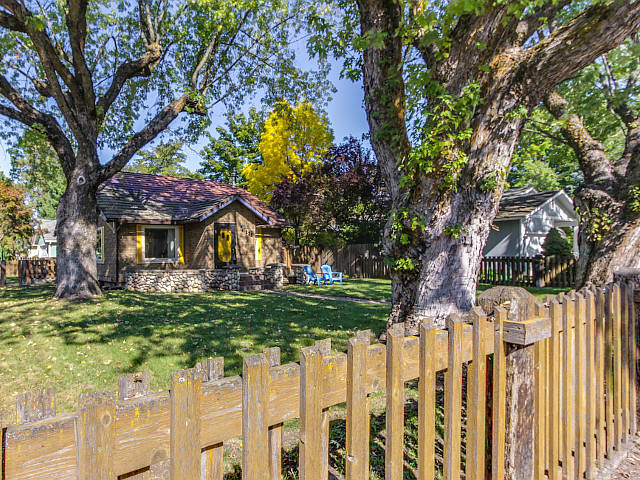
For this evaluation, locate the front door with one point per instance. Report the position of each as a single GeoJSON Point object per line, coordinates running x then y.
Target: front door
{"type": "Point", "coordinates": [224, 244]}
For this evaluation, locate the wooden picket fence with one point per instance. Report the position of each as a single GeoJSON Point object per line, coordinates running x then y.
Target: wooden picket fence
{"type": "Point", "coordinates": [529, 271]}
{"type": "Point", "coordinates": [583, 406]}
{"type": "Point", "coordinates": [36, 271]}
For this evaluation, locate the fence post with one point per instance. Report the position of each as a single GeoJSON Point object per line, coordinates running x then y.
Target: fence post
{"type": "Point", "coordinates": [538, 271]}
{"type": "Point", "coordinates": [519, 440]}
{"type": "Point", "coordinates": [631, 277]}
{"type": "Point", "coordinates": [96, 433]}
{"type": "Point", "coordinates": [186, 389]}
{"type": "Point", "coordinates": [36, 405]}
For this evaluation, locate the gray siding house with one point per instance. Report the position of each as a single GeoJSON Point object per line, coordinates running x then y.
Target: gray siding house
{"type": "Point", "coordinates": [44, 244]}
{"type": "Point", "coordinates": [525, 218]}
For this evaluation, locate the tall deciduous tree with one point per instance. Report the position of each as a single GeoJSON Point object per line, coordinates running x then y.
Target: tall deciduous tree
{"type": "Point", "coordinates": [606, 141]}
{"type": "Point", "coordinates": [339, 201]}
{"type": "Point", "coordinates": [586, 133]}
{"type": "Point", "coordinates": [473, 70]}
{"type": "Point", "coordinates": [86, 73]}
{"type": "Point", "coordinates": [294, 139]}
{"type": "Point", "coordinates": [164, 159]}
{"type": "Point", "coordinates": [16, 220]}
{"type": "Point", "coordinates": [235, 146]}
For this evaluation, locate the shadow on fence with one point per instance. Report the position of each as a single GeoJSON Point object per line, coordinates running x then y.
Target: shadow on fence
{"type": "Point", "coordinates": [580, 405]}
{"type": "Point", "coordinates": [529, 271]}
{"type": "Point", "coordinates": [37, 271]}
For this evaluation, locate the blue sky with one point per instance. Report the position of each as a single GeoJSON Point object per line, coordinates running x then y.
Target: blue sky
{"type": "Point", "coordinates": [346, 114]}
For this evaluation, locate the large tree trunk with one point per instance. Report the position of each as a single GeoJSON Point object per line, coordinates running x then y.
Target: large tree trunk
{"type": "Point", "coordinates": [444, 207]}
{"type": "Point", "coordinates": [77, 217]}
{"type": "Point", "coordinates": [604, 252]}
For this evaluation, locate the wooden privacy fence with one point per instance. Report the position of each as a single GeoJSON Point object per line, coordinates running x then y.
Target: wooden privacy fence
{"type": "Point", "coordinates": [358, 261]}
{"type": "Point", "coordinates": [580, 408]}
{"type": "Point", "coordinates": [528, 271]}
{"type": "Point", "coordinates": [37, 271]}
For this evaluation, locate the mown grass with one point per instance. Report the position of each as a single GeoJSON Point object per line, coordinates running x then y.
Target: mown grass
{"type": "Point", "coordinates": [83, 347]}
{"type": "Point", "coordinates": [380, 289]}
{"type": "Point", "coordinates": [366, 288]}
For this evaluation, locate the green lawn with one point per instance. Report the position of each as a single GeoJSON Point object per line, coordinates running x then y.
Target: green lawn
{"type": "Point", "coordinates": [369, 288]}
{"type": "Point", "coordinates": [380, 289]}
{"type": "Point", "coordinates": [82, 347]}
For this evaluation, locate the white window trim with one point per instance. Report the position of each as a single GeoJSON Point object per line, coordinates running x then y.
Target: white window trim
{"type": "Point", "coordinates": [144, 244]}
{"type": "Point", "coordinates": [101, 259]}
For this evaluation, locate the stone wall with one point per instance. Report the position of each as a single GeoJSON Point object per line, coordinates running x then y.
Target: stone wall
{"type": "Point", "coordinates": [275, 275]}
{"type": "Point", "coordinates": [223, 279]}
{"type": "Point", "coordinates": [182, 281]}
{"type": "Point", "coordinates": [301, 276]}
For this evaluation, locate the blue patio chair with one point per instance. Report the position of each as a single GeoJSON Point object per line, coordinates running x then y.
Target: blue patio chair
{"type": "Point", "coordinates": [329, 276]}
{"type": "Point", "coordinates": [313, 277]}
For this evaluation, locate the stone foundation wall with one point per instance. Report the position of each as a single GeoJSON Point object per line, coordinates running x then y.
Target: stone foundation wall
{"type": "Point", "coordinates": [275, 275]}
{"type": "Point", "coordinates": [182, 281]}
{"type": "Point", "coordinates": [223, 279]}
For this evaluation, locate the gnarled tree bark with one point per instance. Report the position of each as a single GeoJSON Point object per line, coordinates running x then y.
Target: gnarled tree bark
{"type": "Point", "coordinates": [446, 253]}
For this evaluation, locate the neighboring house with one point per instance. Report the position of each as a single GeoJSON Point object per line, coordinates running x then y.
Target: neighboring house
{"type": "Point", "coordinates": [150, 222]}
{"type": "Point", "coordinates": [44, 243]}
{"type": "Point", "coordinates": [525, 218]}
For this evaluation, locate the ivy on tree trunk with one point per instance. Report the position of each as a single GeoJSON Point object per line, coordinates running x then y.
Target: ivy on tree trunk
{"type": "Point", "coordinates": [477, 83]}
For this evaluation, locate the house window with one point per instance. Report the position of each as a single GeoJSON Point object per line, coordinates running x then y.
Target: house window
{"type": "Point", "coordinates": [160, 243]}
{"type": "Point", "coordinates": [99, 245]}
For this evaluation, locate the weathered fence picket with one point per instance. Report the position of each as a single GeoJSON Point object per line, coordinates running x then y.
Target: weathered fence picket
{"type": "Point", "coordinates": [358, 423]}
{"type": "Point", "coordinates": [583, 403]}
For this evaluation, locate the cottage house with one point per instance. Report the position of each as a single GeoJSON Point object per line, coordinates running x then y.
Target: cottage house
{"type": "Point", "coordinates": [525, 218]}
{"type": "Point", "coordinates": [44, 243]}
{"type": "Point", "coordinates": [150, 223]}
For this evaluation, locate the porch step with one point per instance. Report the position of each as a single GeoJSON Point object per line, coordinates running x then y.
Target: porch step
{"type": "Point", "coordinates": [249, 288]}
{"type": "Point", "coordinates": [250, 279]}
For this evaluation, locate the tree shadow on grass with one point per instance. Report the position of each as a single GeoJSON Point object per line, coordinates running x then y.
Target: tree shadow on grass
{"type": "Point", "coordinates": [136, 329]}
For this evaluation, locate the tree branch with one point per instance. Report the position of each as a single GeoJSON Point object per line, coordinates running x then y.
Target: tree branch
{"type": "Point", "coordinates": [135, 68]}
{"type": "Point", "coordinates": [10, 22]}
{"type": "Point", "coordinates": [159, 123]}
{"type": "Point", "coordinates": [594, 162]}
{"type": "Point", "coordinates": [77, 27]}
{"type": "Point", "coordinates": [27, 114]}
{"type": "Point", "coordinates": [571, 47]}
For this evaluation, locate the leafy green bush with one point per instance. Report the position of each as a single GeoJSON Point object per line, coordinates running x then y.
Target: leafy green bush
{"type": "Point", "coordinates": [557, 243]}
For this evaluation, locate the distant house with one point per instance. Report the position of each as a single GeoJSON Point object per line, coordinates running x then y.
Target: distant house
{"type": "Point", "coordinates": [150, 222]}
{"type": "Point", "coordinates": [525, 218]}
{"type": "Point", "coordinates": [44, 243]}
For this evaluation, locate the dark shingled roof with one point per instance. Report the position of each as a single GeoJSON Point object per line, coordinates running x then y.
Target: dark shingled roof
{"type": "Point", "coordinates": [137, 197]}
{"type": "Point", "coordinates": [520, 202]}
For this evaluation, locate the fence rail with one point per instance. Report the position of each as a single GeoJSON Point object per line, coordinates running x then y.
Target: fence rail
{"type": "Point", "coordinates": [584, 391]}
{"type": "Point", "coordinates": [36, 271]}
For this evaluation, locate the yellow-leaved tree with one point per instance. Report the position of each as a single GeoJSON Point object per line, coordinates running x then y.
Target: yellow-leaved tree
{"type": "Point", "coordinates": [294, 139]}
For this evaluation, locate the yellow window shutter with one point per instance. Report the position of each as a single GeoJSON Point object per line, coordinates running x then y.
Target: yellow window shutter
{"type": "Point", "coordinates": [181, 244]}
{"type": "Point", "coordinates": [139, 235]}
